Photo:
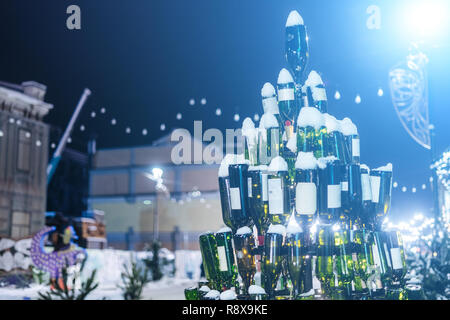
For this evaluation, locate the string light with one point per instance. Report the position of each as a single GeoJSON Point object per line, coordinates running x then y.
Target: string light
{"type": "Point", "coordinates": [82, 128]}
{"type": "Point", "coordinates": [337, 95]}
{"type": "Point", "coordinates": [113, 122]}
{"type": "Point", "coordinates": [162, 127]}
{"type": "Point", "coordinates": [236, 117]}
{"type": "Point", "coordinates": [179, 116]}
{"type": "Point", "coordinates": [218, 112]}
{"type": "Point", "coordinates": [191, 102]}
{"type": "Point", "coordinates": [380, 92]}
{"type": "Point", "coordinates": [93, 114]}
{"type": "Point", "coordinates": [203, 101]}
{"type": "Point", "coordinates": [144, 132]}
{"type": "Point", "coordinates": [358, 99]}
{"type": "Point", "coordinates": [102, 110]}
{"type": "Point", "coordinates": [256, 117]}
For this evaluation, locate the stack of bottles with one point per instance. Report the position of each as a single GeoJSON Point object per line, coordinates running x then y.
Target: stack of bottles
{"type": "Point", "coordinates": [303, 215]}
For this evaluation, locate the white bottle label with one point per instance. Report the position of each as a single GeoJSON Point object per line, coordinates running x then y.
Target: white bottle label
{"type": "Point", "coordinates": [334, 196]}
{"type": "Point", "coordinates": [275, 196]}
{"type": "Point", "coordinates": [386, 252]}
{"type": "Point", "coordinates": [223, 266]}
{"type": "Point", "coordinates": [376, 255]}
{"type": "Point", "coordinates": [306, 198]}
{"type": "Point", "coordinates": [270, 105]}
{"type": "Point", "coordinates": [265, 194]}
{"type": "Point", "coordinates": [375, 186]}
{"type": "Point", "coordinates": [286, 94]}
{"type": "Point", "coordinates": [366, 189]}
{"type": "Point", "coordinates": [355, 147]}
{"type": "Point", "coordinates": [249, 183]}
{"type": "Point", "coordinates": [344, 185]}
{"type": "Point", "coordinates": [396, 258]}
{"type": "Point", "coordinates": [235, 196]}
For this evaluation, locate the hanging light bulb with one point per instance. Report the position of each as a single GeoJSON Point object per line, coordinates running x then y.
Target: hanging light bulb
{"type": "Point", "coordinates": [113, 122]}
{"type": "Point", "coordinates": [337, 95]}
{"type": "Point", "coordinates": [358, 99]}
{"type": "Point", "coordinates": [203, 101]}
{"type": "Point", "coordinates": [380, 92]}
{"type": "Point", "coordinates": [179, 116]}
{"type": "Point", "coordinates": [236, 117]}
{"type": "Point", "coordinates": [128, 130]}
{"type": "Point", "coordinates": [162, 127]}
{"type": "Point", "coordinates": [256, 117]}
{"type": "Point", "coordinates": [144, 132]}
{"type": "Point", "coordinates": [191, 102]}
{"type": "Point", "coordinates": [218, 112]}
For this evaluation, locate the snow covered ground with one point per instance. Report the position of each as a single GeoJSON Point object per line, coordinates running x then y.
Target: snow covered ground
{"type": "Point", "coordinates": [109, 264]}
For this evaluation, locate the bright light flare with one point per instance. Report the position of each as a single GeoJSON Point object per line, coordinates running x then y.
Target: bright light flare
{"type": "Point", "coordinates": [425, 18]}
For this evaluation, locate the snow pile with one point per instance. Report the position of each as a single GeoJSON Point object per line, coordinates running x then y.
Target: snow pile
{"type": "Point", "coordinates": [310, 116]}
{"type": "Point", "coordinates": [204, 289]}
{"type": "Point", "coordinates": [292, 143]}
{"type": "Point", "coordinates": [228, 295]}
{"type": "Point", "coordinates": [213, 294]}
{"type": "Point", "coordinates": [253, 289]}
{"type": "Point", "coordinates": [243, 230]}
{"type": "Point", "coordinates": [284, 77]}
{"type": "Point", "coordinates": [268, 90]}
{"type": "Point", "coordinates": [306, 161]}
{"type": "Point", "coordinates": [294, 19]}
{"type": "Point", "coordinates": [268, 121]}
{"type": "Point", "coordinates": [387, 168]}
{"type": "Point", "coordinates": [277, 228]}
{"type": "Point", "coordinates": [278, 164]}
{"type": "Point", "coordinates": [363, 166]}
{"type": "Point", "coordinates": [348, 127]}
{"type": "Point", "coordinates": [224, 230]}
{"type": "Point", "coordinates": [331, 123]}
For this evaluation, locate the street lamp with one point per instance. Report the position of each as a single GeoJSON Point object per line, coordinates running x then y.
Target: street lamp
{"type": "Point", "coordinates": [161, 190]}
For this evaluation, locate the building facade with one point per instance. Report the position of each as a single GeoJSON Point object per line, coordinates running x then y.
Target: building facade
{"type": "Point", "coordinates": [121, 186]}
{"type": "Point", "coordinates": [23, 158]}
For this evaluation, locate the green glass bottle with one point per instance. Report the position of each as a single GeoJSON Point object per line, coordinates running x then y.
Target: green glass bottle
{"type": "Point", "coordinates": [270, 139]}
{"type": "Point", "coordinates": [210, 258]}
{"type": "Point", "coordinates": [324, 260]}
{"type": "Point", "coordinates": [227, 263]}
{"type": "Point", "coordinates": [381, 186]}
{"type": "Point", "coordinates": [287, 102]}
{"type": "Point", "coordinates": [362, 241]}
{"type": "Point", "coordinates": [258, 199]}
{"type": "Point", "coordinates": [279, 191]}
{"type": "Point", "coordinates": [191, 293]}
{"type": "Point", "coordinates": [250, 136]}
{"type": "Point", "coordinates": [296, 253]}
{"type": "Point", "coordinates": [344, 260]}
{"type": "Point", "coordinates": [244, 242]}
{"type": "Point", "coordinates": [272, 258]}
{"type": "Point", "coordinates": [311, 131]}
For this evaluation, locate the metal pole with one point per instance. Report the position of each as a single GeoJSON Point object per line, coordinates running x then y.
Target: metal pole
{"type": "Point", "coordinates": [62, 143]}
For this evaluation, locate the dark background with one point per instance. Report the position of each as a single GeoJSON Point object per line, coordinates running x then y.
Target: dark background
{"type": "Point", "coordinates": [144, 61]}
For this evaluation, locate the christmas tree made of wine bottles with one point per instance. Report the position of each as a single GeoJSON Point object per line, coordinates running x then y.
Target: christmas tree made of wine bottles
{"type": "Point", "coordinates": [303, 215]}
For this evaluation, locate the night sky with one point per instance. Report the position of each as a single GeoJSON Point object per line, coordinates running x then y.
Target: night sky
{"type": "Point", "coordinates": [144, 61]}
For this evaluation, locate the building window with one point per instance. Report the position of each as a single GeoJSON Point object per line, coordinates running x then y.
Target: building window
{"type": "Point", "coordinates": [20, 226]}
{"type": "Point", "coordinates": [24, 150]}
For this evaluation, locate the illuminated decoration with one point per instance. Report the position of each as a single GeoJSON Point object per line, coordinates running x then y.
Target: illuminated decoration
{"type": "Point", "coordinates": [54, 262]}
{"type": "Point", "coordinates": [442, 168]}
{"type": "Point", "coordinates": [409, 92]}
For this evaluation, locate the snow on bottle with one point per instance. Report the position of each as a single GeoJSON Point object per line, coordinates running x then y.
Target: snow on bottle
{"type": "Point", "coordinates": [287, 102]}
{"type": "Point", "coordinates": [270, 102]}
{"type": "Point", "coordinates": [318, 91]}
{"type": "Point", "coordinates": [311, 131]}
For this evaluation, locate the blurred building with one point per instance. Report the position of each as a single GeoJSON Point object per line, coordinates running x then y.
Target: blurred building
{"type": "Point", "coordinates": [23, 158]}
{"type": "Point", "coordinates": [121, 186]}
